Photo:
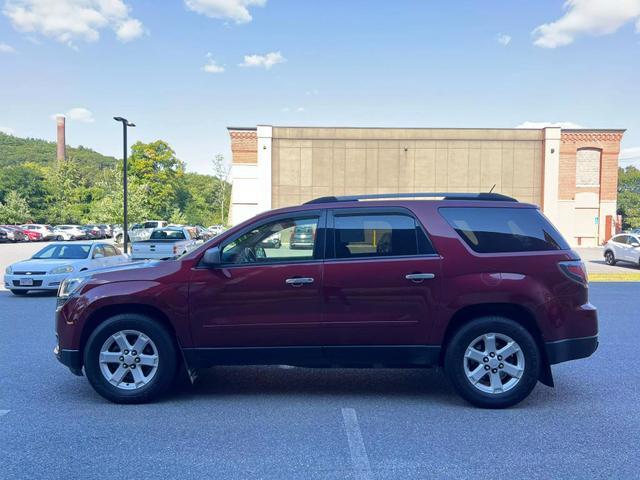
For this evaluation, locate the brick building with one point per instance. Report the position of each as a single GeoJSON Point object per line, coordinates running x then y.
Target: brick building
{"type": "Point", "coordinates": [571, 174]}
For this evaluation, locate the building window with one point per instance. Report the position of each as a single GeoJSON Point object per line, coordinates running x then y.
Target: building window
{"type": "Point", "coordinates": [588, 167]}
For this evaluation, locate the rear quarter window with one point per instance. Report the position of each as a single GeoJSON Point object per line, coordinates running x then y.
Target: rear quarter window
{"type": "Point", "coordinates": [501, 230]}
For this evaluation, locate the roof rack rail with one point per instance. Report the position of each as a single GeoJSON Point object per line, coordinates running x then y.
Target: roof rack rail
{"type": "Point", "coordinates": [495, 197]}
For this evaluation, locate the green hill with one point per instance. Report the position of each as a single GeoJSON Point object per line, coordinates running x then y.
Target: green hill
{"type": "Point", "coordinates": [16, 151]}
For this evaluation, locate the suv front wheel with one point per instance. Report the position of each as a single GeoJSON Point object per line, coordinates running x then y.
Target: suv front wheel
{"type": "Point", "coordinates": [492, 362]}
{"type": "Point", "coordinates": [130, 358]}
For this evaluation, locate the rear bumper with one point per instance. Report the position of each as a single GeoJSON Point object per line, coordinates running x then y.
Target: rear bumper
{"type": "Point", "coordinates": [70, 359]}
{"type": "Point", "coordinates": [571, 349]}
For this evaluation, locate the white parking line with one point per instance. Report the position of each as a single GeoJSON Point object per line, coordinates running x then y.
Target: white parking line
{"type": "Point", "coordinates": [359, 457]}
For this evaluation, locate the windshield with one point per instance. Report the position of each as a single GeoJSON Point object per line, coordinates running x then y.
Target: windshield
{"type": "Point", "coordinates": [66, 252]}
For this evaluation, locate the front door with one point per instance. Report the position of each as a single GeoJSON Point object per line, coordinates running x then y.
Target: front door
{"type": "Point", "coordinates": [381, 278]}
{"type": "Point", "coordinates": [268, 290]}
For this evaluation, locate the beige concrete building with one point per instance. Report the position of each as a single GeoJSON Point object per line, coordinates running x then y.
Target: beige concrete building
{"type": "Point", "coordinates": [570, 174]}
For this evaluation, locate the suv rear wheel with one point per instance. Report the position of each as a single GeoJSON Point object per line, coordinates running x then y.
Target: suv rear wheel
{"type": "Point", "coordinates": [492, 362]}
{"type": "Point", "coordinates": [130, 358]}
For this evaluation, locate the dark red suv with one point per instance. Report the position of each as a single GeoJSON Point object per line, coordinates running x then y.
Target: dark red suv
{"type": "Point", "coordinates": [477, 283]}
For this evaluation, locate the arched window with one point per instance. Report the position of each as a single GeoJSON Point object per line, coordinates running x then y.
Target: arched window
{"type": "Point", "coordinates": [588, 167]}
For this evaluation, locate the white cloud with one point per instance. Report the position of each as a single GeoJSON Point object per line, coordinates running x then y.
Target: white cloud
{"type": "Point", "coordinates": [6, 48]}
{"type": "Point", "coordinates": [212, 66]}
{"type": "Point", "coordinates": [7, 130]}
{"type": "Point", "coordinates": [313, 91]}
{"type": "Point", "coordinates": [548, 124]}
{"type": "Point", "coordinates": [236, 10]}
{"type": "Point", "coordinates": [77, 114]}
{"type": "Point", "coordinates": [296, 109]}
{"type": "Point", "coordinates": [68, 21]}
{"type": "Point", "coordinates": [587, 17]}
{"type": "Point", "coordinates": [129, 30]}
{"type": "Point", "coordinates": [267, 61]}
{"type": "Point", "coordinates": [629, 156]}
{"type": "Point", "coordinates": [504, 39]}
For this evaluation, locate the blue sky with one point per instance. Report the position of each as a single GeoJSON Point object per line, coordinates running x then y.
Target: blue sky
{"type": "Point", "coordinates": [346, 63]}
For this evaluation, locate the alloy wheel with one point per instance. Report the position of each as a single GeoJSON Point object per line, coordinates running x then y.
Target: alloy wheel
{"type": "Point", "coordinates": [129, 359]}
{"type": "Point", "coordinates": [494, 363]}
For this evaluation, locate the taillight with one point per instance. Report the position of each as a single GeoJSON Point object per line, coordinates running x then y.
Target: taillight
{"type": "Point", "coordinates": [574, 270]}
{"type": "Point", "coordinates": [175, 249]}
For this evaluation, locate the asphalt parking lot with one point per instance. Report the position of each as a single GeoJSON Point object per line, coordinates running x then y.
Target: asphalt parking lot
{"type": "Point", "coordinates": [274, 422]}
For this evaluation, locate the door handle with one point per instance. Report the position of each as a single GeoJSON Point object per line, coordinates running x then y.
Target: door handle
{"type": "Point", "coordinates": [419, 277]}
{"type": "Point", "coordinates": [298, 281]}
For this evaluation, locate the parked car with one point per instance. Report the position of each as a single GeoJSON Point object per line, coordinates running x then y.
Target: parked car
{"type": "Point", "coordinates": [202, 233]}
{"type": "Point", "coordinates": [216, 229]}
{"type": "Point", "coordinates": [4, 235]}
{"type": "Point", "coordinates": [303, 236]}
{"type": "Point", "coordinates": [50, 266]}
{"type": "Point", "coordinates": [45, 231]}
{"type": "Point", "coordinates": [31, 235]}
{"type": "Point", "coordinates": [142, 231]}
{"type": "Point", "coordinates": [272, 241]}
{"type": "Point", "coordinates": [14, 234]}
{"type": "Point", "coordinates": [164, 243]}
{"type": "Point", "coordinates": [96, 231]}
{"type": "Point", "coordinates": [107, 229]}
{"type": "Point", "coordinates": [69, 232]}
{"type": "Point", "coordinates": [624, 247]}
{"type": "Point", "coordinates": [479, 284]}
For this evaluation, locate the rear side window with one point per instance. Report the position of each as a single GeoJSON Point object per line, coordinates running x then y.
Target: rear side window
{"type": "Point", "coordinates": [167, 235]}
{"type": "Point", "coordinates": [383, 235]}
{"type": "Point", "coordinates": [499, 230]}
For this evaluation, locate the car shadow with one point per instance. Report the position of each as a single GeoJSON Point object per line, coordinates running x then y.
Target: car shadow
{"type": "Point", "coordinates": [35, 294]}
{"type": "Point", "coordinates": [247, 381]}
{"type": "Point", "coordinates": [626, 265]}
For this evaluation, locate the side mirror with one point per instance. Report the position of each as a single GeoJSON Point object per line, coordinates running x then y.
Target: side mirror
{"type": "Point", "coordinates": [211, 257]}
{"type": "Point", "coordinates": [635, 244]}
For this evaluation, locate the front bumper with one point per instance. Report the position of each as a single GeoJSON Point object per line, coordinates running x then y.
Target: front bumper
{"type": "Point", "coordinates": [40, 282]}
{"type": "Point", "coordinates": [570, 349]}
{"type": "Point", "coordinates": [70, 359]}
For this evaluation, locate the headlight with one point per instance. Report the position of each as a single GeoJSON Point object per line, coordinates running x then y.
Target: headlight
{"type": "Point", "coordinates": [71, 285]}
{"type": "Point", "coordinates": [64, 269]}
{"type": "Point", "coordinates": [8, 270]}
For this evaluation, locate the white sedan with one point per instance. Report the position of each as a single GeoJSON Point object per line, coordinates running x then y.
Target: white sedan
{"type": "Point", "coordinates": [55, 262]}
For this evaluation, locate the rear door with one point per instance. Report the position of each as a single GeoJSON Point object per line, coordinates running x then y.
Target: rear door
{"type": "Point", "coordinates": [381, 278]}
{"type": "Point", "coordinates": [263, 294]}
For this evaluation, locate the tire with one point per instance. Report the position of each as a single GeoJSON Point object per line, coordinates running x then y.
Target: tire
{"type": "Point", "coordinates": [609, 258]}
{"type": "Point", "coordinates": [508, 390]}
{"type": "Point", "coordinates": [159, 374]}
{"type": "Point", "coordinates": [59, 238]}
{"type": "Point", "coordinates": [19, 293]}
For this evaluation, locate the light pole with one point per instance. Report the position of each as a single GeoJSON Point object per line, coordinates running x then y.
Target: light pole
{"type": "Point", "coordinates": [125, 123]}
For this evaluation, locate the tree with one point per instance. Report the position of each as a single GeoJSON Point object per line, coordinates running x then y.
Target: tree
{"type": "Point", "coordinates": [156, 166]}
{"type": "Point", "coordinates": [629, 196]}
{"type": "Point", "coordinates": [177, 217]}
{"type": "Point", "coordinates": [222, 170]}
{"type": "Point", "coordinates": [109, 209]}
{"type": "Point", "coordinates": [29, 179]}
{"type": "Point", "coordinates": [14, 210]}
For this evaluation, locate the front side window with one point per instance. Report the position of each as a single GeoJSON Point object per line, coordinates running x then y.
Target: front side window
{"type": "Point", "coordinates": [378, 235]}
{"type": "Point", "coordinates": [283, 240]}
{"type": "Point", "coordinates": [501, 230]}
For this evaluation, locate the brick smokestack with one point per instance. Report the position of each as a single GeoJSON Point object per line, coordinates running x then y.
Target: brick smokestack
{"type": "Point", "coordinates": [62, 149]}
